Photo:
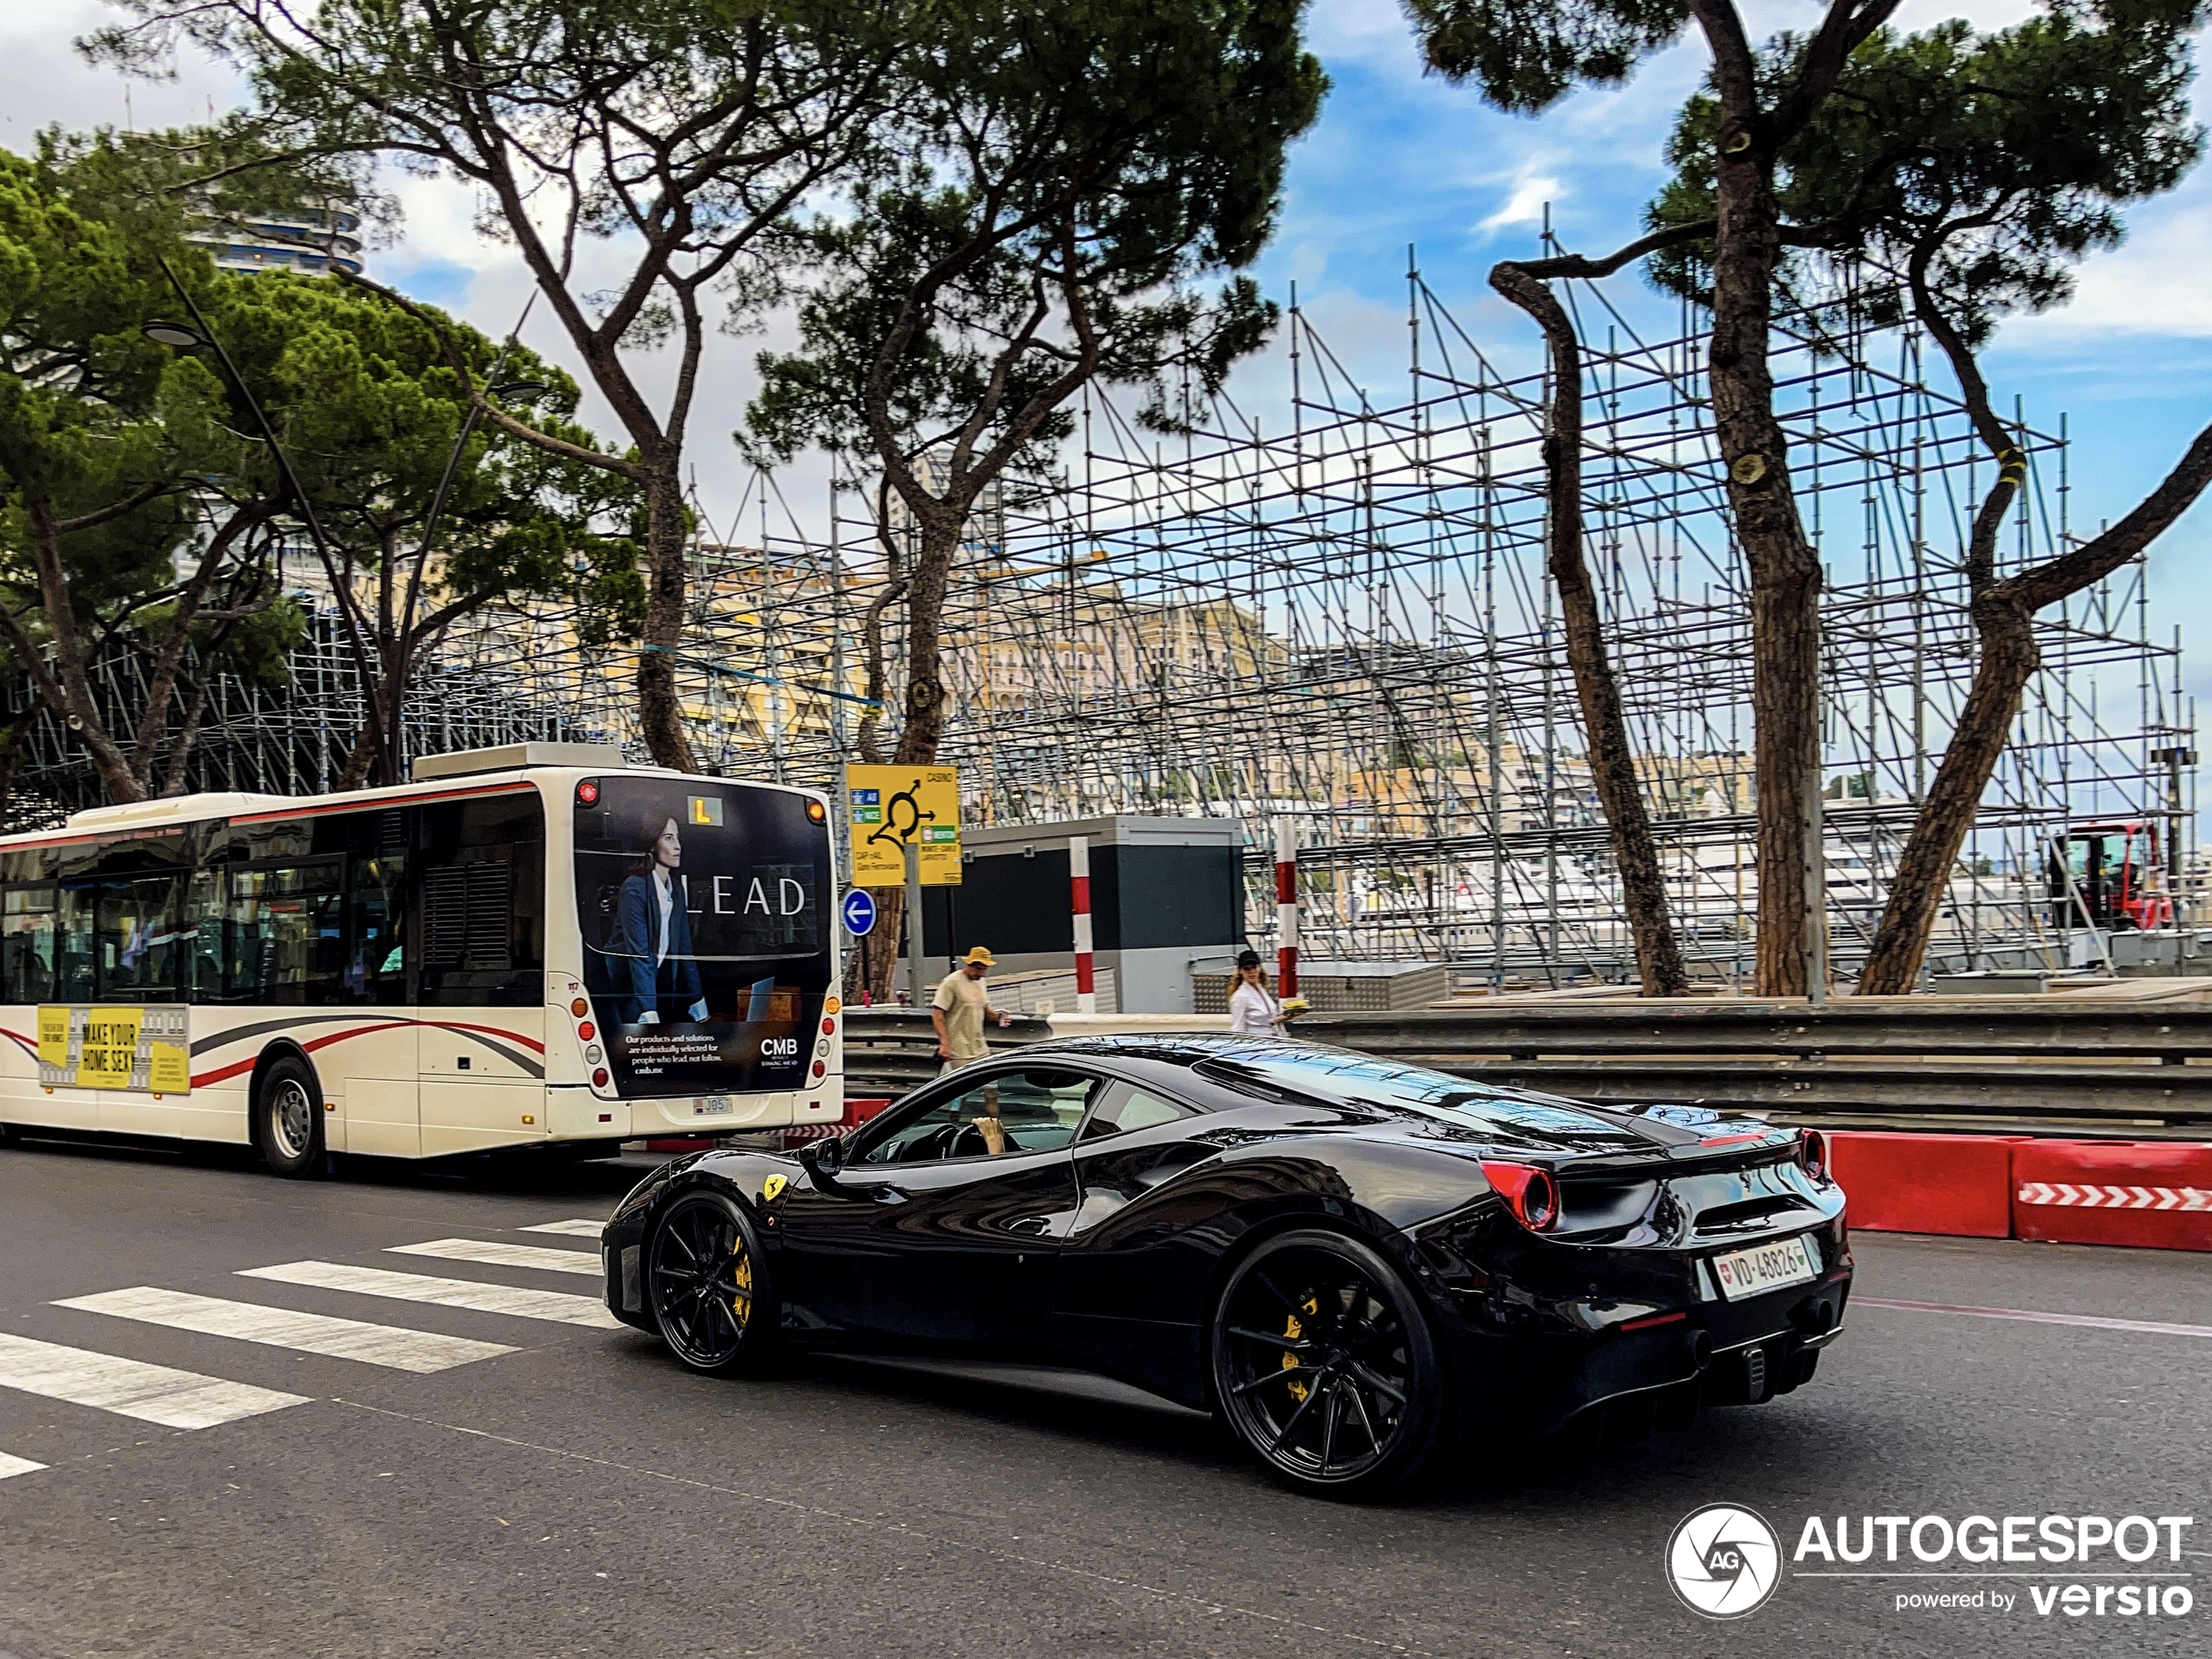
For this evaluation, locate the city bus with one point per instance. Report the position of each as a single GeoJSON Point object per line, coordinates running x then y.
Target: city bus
{"type": "Point", "coordinates": [533, 946]}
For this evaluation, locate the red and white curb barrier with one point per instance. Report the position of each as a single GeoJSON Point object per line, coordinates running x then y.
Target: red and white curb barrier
{"type": "Point", "coordinates": [2085, 1197]}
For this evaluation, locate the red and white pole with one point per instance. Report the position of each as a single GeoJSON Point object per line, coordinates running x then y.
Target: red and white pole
{"type": "Point", "coordinates": [1079, 889]}
{"type": "Point", "coordinates": [1285, 907]}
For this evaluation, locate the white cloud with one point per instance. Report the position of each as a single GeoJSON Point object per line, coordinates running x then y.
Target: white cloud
{"type": "Point", "coordinates": [1532, 194]}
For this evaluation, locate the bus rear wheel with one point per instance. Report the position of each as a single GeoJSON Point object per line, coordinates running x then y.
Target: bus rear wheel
{"type": "Point", "coordinates": [287, 1119]}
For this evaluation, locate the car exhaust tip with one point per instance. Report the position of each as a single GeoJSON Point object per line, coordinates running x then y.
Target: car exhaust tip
{"type": "Point", "coordinates": [1814, 1315]}
{"type": "Point", "coordinates": [1699, 1347]}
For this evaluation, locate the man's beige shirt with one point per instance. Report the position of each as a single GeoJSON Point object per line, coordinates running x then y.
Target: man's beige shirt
{"type": "Point", "coordinates": [964, 1001]}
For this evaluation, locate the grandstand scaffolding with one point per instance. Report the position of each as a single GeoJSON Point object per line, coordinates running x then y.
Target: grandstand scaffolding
{"type": "Point", "coordinates": [1337, 608]}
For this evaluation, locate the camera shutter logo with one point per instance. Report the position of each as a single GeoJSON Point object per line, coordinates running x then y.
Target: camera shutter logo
{"type": "Point", "coordinates": [1723, 1560]}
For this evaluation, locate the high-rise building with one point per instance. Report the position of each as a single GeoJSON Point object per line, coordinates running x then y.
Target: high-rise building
{"type": "Point", "coordinates": [309, 242]}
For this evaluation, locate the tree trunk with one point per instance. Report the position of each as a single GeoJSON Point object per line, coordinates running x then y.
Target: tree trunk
{"type": "Point", "coordinates": [1785, 571]}
{"type": "Point", "coordinates": [925, 714]}
{"type": "Point", "coordinates": [19, 728]}
{"type": "Point", "coordinates": [69, 691]}
{"type": "Point", "coordinates": [1643, 887]}
{"type": "Point", "coordinates": [660, 713]}
{"type": "Point", "coordinates": [2009, 659]}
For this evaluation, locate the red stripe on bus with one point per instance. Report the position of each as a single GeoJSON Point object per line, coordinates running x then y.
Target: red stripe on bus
{"type": "Point", "coordinates": [223, 1074]}
{"type": "Point", "coordinates": [386, 802]}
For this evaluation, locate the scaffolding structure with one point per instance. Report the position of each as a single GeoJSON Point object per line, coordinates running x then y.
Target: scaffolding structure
{"type": "Point", "coordinates": [1336, 608]}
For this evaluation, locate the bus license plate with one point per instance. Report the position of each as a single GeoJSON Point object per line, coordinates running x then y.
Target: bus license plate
{"type": "Point", "coordinates": [1770, 1267]}
{"type": "Point", "coordinates": [713, 1106]}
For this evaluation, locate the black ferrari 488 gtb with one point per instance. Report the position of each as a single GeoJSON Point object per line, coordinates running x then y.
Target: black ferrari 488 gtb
{"type": "Point", "coordinates": [1349, 1260]}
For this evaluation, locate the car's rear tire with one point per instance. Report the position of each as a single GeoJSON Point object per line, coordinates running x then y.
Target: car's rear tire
{"type": "Point", "coordinates": [708, 1286]}
{"type": "Point", "coordinates": [1325, 1368]}
{"type": "Point", "coordinates": [287, 1119]}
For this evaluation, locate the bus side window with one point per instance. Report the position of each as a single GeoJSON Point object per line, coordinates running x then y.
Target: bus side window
{"type": "Point", "coordinates": [377, 954]}
{"type": "Point", "coordinates": [480, 880]}
{"type": "Point", "coordinates": [27, 945]}
{"type": "Point", "coordinates": [75, 975]}
{"type": "Point", "coordinates": [138, 939]}
{"type": "Point", "coordinates": [286, 927]}
{"type": "Point", "coordinates": [201, 937]}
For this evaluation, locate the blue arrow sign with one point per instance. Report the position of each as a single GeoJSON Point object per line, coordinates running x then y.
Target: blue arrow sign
{"type": "Point", "coordinates": [859, 911]}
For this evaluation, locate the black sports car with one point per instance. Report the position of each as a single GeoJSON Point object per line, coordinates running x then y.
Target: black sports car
{"type": "Point", "coordinates": [1346, 1258]}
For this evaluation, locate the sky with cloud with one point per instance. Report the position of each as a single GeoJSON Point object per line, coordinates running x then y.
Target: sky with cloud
{"type": "Point", "coordinates": [1403, 160]}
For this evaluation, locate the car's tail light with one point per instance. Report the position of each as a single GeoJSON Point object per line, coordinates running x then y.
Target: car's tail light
{"type": "Point", "coordinates": [1812, 1153]}
{"type": "Point", "coordinates": [1529, 1192]}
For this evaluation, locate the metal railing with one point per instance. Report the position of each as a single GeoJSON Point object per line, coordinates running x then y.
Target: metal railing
{"type": "Point", "coordinates": [1987, 1065]}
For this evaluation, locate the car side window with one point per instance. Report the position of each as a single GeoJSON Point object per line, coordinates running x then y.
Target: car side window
{"type": "Point", "coordinates": [1124, 1107]}
{"type": "Point", "coordinates": [1031, 1111]}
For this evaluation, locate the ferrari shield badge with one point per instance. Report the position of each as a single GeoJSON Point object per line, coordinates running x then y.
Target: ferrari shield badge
{"type": "Point", "coordinates": [771, 1187]}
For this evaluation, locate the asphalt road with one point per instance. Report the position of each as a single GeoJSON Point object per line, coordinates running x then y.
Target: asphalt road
{"type": "Point", "coordinates": [578, 1493]}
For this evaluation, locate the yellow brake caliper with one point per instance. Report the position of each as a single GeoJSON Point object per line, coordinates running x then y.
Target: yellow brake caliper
{"type": "Point", "coordinates": [1293, 1329]}
{"type": "Point", "coordinates": [741, 1303]}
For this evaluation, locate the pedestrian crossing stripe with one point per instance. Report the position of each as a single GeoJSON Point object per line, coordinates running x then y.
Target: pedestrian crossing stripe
{"type": "Point", "coordinates": [557, 1305]}
{"type": "Point", "coordinates": [130, 1388]}
{"type": "Point", "coordinates": [2102, 1198]}
{"type": "Point", "coordinates": [17, 1465]}
{"type": "Point", "coordinates": [581, 1228]}
{"type": "Point", "coordinates": [492, 1252]}
{"type": "Point", "coordinates": [391, 1346]}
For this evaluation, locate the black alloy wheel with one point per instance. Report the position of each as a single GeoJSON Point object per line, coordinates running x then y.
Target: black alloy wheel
{"type": "Point", "coordinates": [710, 1286]}
{"type": "Point", "coordinates": [1325, 1366]}
{"type": "Point", "coordinates": [287, 1119]}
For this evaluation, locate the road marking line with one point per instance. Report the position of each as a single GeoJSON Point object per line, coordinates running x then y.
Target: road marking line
{"type": "Point", "coordinates": [494, 1253]}
{"type": "Point", "coordinates": [557, 1305]}
{"type": "Point", "coordinates": [581, 1228]}
{"type": "Point", "coordinates": [2149, 1327]}
{"type": "Point", "coordinates": [131, 1388]}
{"type": "Point", "coordinates": [10, 1466]}
{"type": "Point", "coordinates": [390, 1346]}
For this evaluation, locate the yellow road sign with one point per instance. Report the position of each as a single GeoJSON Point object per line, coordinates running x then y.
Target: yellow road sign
{"type": "Point", "coordinates": [890, 806]}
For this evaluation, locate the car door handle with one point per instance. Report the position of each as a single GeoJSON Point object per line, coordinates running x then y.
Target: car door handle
{"type": "Point", "coordinates": [889, 1194]}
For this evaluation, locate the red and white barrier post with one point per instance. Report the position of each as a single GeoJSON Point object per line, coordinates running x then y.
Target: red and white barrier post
{"type": "Point", "coordinates": [1285, 907]}
{"type": "Point", "coordinates": [1079, 891]}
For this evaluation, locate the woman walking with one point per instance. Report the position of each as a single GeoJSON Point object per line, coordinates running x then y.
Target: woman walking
{"type": "Point", "coordinates": [1253, 1011]}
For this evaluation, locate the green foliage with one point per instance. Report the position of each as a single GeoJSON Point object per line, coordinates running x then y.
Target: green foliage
{"type": "Point", "coordinates": [1527, 54]}
{"type": "Point", "coordinates": [1991, 163]}
{"type": "Point", "coordinates": [1059, 178]}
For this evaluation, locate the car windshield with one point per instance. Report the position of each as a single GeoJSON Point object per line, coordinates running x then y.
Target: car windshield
{"type": "Point", "coordinates": [1339, 1075]}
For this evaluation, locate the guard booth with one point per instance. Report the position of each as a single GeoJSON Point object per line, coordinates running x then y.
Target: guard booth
{"type": "Point", "coordinates": [1165, 893]}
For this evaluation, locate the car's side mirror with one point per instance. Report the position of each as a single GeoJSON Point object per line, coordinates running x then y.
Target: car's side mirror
{"type": "Point", "coordinates": [823, 1159]}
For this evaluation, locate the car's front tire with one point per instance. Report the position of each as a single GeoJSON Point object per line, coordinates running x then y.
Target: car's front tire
{"type": "Point", "coordinates": [1325, 1368]}
{"type": "Point", "coordinates": [287, 1119]}
{"type": "Point", "coordinates": [709, 1287]}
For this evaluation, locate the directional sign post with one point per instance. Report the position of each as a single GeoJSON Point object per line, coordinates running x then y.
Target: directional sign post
{"type": "Point", "coordinates": [892, 808]}
{"type": "Point", "coordinates": [859, 912]}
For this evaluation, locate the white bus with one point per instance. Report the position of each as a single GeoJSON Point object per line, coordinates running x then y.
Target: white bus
{"type": "Point", "coordinates": [525, 946]}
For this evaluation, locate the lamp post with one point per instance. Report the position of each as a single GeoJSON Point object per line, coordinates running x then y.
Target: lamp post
{"type": "Point", "coordinates": [199, 334]}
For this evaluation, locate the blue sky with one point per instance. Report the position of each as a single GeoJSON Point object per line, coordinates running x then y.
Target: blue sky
{"type": "Point", "coordinates": [1396, 157]}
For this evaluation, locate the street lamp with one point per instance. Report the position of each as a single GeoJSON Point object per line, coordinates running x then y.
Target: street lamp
{"type": "Point", "coordinates": [196, 335]}
{"type": "Point", "coordinates": [178, 336]}
{"type": "Point", "coordinates": [519, 391]}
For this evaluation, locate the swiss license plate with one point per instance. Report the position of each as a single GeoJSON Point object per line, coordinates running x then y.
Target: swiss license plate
{"type": "Point", "coordinates": [713, 1106]}
{"type": "Point", "coordinates": [1767, 1267]}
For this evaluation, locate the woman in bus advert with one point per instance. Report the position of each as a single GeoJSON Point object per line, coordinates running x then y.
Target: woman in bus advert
{"type": "Point", "coordinates": [652, 942]}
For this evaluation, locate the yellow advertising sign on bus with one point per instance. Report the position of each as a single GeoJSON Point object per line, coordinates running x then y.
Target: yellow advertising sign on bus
{"type": "Point", "coordinates": [891, 807]}
{"type": "Point", "coordinates": [99, 1046]}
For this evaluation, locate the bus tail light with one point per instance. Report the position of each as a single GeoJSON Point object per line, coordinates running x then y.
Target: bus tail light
{"type": "Point", "coordinates": [599, 1078]}
{"type": "Point", "coordinates": [587, 1030]}
{"type": "Point", "coordinates": [821, 1067]}
{"type": "Point", "coordinates": [587, 792]}
{"type": "Point", "coordinates": [579, 1007]}
{"type": "Point", "coordinates": [829, 1028]}
{"type": "Point", "coordinates": [1529, 1192]}
{"type": "Point", "coordinates": [816, 813]}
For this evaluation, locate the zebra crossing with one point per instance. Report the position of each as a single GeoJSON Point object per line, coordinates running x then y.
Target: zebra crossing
{"type": "Point", "coordinates": [177, 1399]}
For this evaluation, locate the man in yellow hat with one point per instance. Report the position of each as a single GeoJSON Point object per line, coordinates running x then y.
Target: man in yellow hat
{"type": "Point", "coordinates": [962, 1003]}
